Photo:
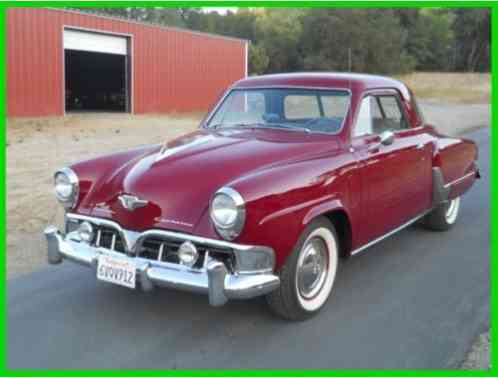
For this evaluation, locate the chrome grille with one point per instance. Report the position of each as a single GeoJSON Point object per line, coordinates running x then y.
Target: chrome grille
{"type": "Point", "coordinates": [109, 238]}
{"type": "Point", "coordinates": [166, 250]}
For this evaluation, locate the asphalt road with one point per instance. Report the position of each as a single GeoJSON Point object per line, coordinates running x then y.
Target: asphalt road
{"type": "Point", "coordinates": [415, 300]}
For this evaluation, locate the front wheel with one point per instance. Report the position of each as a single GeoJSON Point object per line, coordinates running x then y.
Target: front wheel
{"type": "Point", "coordinates": [307, 278]}
{"type": "Point", "coordinates": [444, 216]}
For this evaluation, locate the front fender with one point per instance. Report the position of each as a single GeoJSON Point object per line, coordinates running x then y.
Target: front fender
{"type": "Point", "coordinates": [323, 208]}
{"type": "Point", "coordinates": [281, 202]}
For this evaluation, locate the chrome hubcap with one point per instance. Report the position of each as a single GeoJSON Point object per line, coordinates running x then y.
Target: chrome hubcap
{"type": "Point", "coordinates": [312, 267]}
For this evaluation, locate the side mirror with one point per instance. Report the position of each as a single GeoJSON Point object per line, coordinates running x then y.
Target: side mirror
{"type": "Point", "coordinates": [387, 138]}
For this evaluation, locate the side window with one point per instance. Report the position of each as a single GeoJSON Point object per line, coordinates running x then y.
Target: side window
{"type": "Point", "coordinates": [363, 124]}
{"type": "Point", "coordinates": [393, 115]}
{"type": "Point", "coordinates": [301, 106]}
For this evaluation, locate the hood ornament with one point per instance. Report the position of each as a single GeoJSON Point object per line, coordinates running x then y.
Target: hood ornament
{"type": "Point", "coordinates": [131, 203]}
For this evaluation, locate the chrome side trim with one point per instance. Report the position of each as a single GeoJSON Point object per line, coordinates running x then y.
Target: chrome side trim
{"type": "Point", "coordinates": [390, 233]}
{"type": "Point", "coordinates": [473, 173]}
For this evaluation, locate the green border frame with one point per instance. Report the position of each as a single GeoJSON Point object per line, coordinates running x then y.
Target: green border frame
{"type": "Point", "coordinates": [4, 371]}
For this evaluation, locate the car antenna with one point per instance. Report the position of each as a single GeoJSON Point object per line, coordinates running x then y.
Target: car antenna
{"type": "Point", "coordinates": [350, 67]}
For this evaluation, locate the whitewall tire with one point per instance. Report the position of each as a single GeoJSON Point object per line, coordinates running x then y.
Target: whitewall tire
{"type": "Point", "coordinates": [444, 216]}
{"type": "Point", "coordinates": [308, 276]}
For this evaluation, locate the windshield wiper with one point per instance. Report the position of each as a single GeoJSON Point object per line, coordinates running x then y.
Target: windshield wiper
{"type": "Point", "coordinates": [263, 125]}
{"type": "Point", "coordinates": [255, 124]}
{"type": "Point", "coordinates": [290, 127]}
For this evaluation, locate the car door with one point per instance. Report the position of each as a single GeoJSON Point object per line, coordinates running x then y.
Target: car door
{"type": "Point", "coordinates": [396, 178]}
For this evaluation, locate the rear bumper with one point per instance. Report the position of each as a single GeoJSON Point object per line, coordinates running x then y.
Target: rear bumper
{"type": "Point", "coordinates": [213, 280]}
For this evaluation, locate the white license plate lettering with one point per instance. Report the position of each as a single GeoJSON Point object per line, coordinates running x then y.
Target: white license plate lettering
{"type": "Point", "coordinates": [120, 271]}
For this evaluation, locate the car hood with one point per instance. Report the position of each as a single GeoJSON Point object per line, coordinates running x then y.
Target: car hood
{"type": "Point", "coordinates": [179, 179]}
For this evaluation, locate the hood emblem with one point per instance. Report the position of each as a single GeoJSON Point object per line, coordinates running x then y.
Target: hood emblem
{"type": "Point", "coordinates": [131, 203]}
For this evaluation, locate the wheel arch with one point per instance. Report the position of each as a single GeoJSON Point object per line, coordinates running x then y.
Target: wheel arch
{"type": "Point", "coordinates": [336, 214]}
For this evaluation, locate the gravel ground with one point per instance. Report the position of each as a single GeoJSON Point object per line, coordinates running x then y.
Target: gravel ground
{"type": "Point", "coordinates": [479, 357]}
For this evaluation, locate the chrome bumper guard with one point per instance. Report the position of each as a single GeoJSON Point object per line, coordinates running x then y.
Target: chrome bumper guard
{"type": "Point", "coordinates": [214, 279]}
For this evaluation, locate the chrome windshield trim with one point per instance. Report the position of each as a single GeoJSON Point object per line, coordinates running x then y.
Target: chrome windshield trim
{"type": "Point", "coordinates": [319, 88]}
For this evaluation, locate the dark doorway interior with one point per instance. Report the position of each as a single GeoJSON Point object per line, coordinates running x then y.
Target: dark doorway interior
{"type": "Point", "coordinates": [95, 81]}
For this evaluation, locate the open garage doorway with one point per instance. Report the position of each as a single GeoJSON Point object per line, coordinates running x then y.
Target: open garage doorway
{"type": "Point", "coordinates": [97, 72]}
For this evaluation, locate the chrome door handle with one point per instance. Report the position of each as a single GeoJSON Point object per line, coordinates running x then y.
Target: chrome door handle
{"type": "Point", "coordinates": [374, 147]}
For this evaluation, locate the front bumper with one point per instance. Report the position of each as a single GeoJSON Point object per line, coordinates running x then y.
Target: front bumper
{"type": "Point", "coordinates": [213, 279]}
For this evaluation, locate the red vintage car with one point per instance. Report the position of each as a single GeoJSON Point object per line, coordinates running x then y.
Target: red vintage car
{"type": "Point", "coordinates": [286, 175]}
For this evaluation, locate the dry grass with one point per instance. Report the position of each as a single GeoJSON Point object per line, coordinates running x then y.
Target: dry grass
{"type": "Point", "coordinates": [468, 88]}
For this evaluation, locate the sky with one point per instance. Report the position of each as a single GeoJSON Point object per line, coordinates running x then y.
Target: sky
{"type": "Point", "coordinates": [220, 10]}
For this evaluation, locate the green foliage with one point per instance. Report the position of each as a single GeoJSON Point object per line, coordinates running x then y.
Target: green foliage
{"type": "Point", "coordinates": [472, 29]}
{"type": "Point", "coordinates": [362, 40]}
{"type": "Point", "coordinates": [259, 61]}
{"type": "Point", "coordinates": [431, 39]}
{"type": "Point", "coordinates": [384, 41]}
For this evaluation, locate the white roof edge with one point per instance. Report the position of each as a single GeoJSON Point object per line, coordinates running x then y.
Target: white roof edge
{"type": "Point", "coordinates": [150, 24]}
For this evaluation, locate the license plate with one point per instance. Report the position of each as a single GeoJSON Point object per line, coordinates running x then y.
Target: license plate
{"type": "Point", "coordinates": [117, 270]}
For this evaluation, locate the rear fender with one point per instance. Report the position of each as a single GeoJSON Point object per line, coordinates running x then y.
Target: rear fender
{"type": "Point", "coordinates": [454, 168]}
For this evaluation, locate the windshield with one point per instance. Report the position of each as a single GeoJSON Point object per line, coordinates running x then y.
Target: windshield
{"type": "Point", "coordinates": [310, 110]}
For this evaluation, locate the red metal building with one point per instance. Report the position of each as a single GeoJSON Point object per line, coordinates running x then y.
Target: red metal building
{"type": "Point", "coordinates": [63, 60]}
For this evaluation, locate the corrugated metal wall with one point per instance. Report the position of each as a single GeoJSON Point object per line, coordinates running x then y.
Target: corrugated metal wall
{"type": "Point", "coordinates": [172, 70]}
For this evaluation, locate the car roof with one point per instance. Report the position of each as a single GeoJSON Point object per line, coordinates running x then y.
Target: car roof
{"type": "Point", "coordinates": [333, 80]}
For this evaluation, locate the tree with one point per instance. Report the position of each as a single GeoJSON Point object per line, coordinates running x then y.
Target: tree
{"type": "Point", "coordinates": [374, 37]}
{"type": "Point", "coordinates": [258, 59]}
{"type": "Point", "coordinates": [430, 40]}
{"type": "Point", "coordinates": [279, 31]}
{"type": "Point", "coordinates": [384, 41]}
{"type": "Point", "coordinates": [472, 39]}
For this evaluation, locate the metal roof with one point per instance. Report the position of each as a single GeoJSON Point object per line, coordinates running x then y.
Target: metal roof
{"type": "Point", "coordinates": [146, 23]}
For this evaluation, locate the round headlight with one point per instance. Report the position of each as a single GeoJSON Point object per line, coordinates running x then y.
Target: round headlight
{"type": "Point", "coordinates": [66, 187]}
{"type": "Point", "coordinates": [228, 212]}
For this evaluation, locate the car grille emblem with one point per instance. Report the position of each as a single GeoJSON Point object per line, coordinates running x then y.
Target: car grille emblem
{"type": "Point", "coordinates": [131, 203]}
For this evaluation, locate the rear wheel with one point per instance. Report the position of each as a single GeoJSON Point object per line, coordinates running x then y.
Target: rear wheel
{"type": "Point", "coordinates": [444, 216]}
{"type": "Point", "coordinates": [307, 277]}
